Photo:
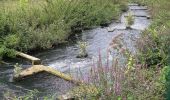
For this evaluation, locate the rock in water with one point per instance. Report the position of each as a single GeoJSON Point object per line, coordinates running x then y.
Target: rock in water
{"type": "Point", "coordinates": [82, 55]}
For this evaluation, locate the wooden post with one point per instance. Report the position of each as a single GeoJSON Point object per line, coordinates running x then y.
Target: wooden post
{"type": "Point", "coordinates": [34, 60]}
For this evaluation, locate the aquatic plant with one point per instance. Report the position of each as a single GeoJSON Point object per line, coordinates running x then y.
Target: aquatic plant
{"type": "Point", "coordinates": [82, 49]}
{"type": "Point", "coordinates": [117, 42]}
{"type": "Point", "coordinates": [129, 20]}
{"type": "Point", "coordinates": [31, 95]}
{"type": "Point", "coordinates": [17, 70]}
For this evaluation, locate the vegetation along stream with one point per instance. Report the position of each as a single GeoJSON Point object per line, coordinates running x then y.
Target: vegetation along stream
{"type": "Point", "coordinates": [85, 49]}
{"type": "Point", "coordinates": [64, 58]}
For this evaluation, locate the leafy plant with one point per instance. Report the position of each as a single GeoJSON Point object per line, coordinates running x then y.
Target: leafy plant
{"type": "Point", "coordinates": [17, 70]}
{"type": "Point", "coordinates": [82, 49]}
{"type": "Point", "coordinates": [29, 96]}
{"type": "Point", "coordinates": [129, 20]}
{"type": "Point", "coordinates": [154, 44]}
{"type": "Point", "coordinates": [23, 3]}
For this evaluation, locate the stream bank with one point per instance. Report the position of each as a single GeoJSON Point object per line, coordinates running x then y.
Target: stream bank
{"type": "Point", "coordinates": [64, 58]}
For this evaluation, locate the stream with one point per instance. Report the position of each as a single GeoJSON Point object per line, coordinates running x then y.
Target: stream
{"type": "Point", "coordinates": [64, 58]}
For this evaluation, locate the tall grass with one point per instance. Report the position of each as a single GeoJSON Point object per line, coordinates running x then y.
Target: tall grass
{"type": "Point", "coordinates": [155, 42]}
{"type": "Point", "coordinates": [135, 83]}
{"type": "Point", "coordinates": [129, 20]}
{"type": "Point", "coordinates": [28, 25]}
{"type": "Point", "coordinates": [131, 82]}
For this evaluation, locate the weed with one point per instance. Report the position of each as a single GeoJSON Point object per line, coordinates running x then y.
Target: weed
{"type": "Point", "coordinates": [17, 70]}
{"type": "Point", "coordinates": [129, 20]}
{"type": "Point", "coordinates": [154, 43]}
{"type": "Point", "coordinates": [82, 49]}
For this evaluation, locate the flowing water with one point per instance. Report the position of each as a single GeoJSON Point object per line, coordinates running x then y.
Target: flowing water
{"type": "Point", "coordinates": [64, 58]}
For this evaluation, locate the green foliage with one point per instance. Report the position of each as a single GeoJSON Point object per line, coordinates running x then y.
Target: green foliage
{"type": "Point", "coordinates": [165, 74]}
{"type": "Point", "coordinates": [17, 70]}
{"type": "Point", "coordinates": [42, 24]}
{"type": "Point", "coordinates": [82, 49]}
{"type": "Point", "coordinates": [154, 44]}
{"type": "Point", "coordinates": [11, 40]}
{"type": "Point", "coordinates": [137, 81]}
{"type": "Point", "coordinates": [2, 50]}
{"type": "Point", "coordinates": [155, 41]}
{"type": "Point", "coordinates": [31, 95]}
{"type": "Point", "coordinates": [129, 20]}
{"type": "Point", "coordinates": [7, 52]}
{"type": "Point", "coordinates": [23, 3]}
{"type": "Point", "coordinates": [134, 82]}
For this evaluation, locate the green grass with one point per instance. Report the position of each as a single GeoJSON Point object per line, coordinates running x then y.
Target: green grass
{"type": "Point", "coordinates": [155, 42]}
{"type": "Point", "coordinates": [41, 24]}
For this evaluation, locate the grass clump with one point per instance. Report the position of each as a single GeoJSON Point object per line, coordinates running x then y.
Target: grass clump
{"type": "Point", "coordinates": [31, 95]}
{"type": "Point", "coordinates": [17, 70]}
{"type": "Point", "coordinates": [82, 49]}
{"type": "Point", "coordinates": [129, 20]}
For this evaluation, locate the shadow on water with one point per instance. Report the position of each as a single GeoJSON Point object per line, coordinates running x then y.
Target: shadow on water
{"type": "Point", "coordinates": [64, 58]}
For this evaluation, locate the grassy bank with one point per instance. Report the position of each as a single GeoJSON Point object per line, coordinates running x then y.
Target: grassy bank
{"type": "Point", "coordinates": [40, 24]}
{"type": "Point", "coordinates": [155, 43]}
